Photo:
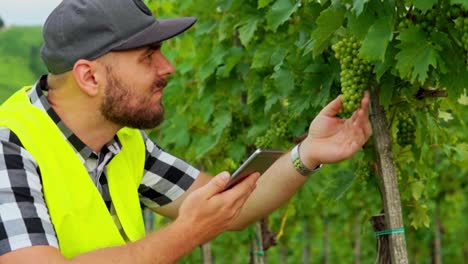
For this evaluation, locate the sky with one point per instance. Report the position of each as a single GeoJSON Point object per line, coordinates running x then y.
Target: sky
{"type": "Point", "coordinates": [26, 12]}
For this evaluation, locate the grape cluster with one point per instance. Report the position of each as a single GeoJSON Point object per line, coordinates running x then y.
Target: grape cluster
{"type": "Point", "coordinates": [362, 172]}
{"type": "Point", "coordinates": [355, 73]}
{"type": "Point", "coordinates": [461, 24]}
{"type": "Point", "coordinates": [426, 21]}
{"type": "Point", "coordinates": [429, 105]}
{"type": "Point", "coordinates": [278, 129]}
{"type": "Point", "coordinates": [455, 11]}
{"type": "Point", "coordinates": [406, 129]}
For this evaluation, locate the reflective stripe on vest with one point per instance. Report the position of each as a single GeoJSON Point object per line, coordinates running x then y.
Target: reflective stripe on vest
{"type": "Point", "coordinates": [80, 217]}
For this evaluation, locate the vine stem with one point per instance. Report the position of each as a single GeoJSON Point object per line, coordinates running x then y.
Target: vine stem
{"type": "Point", "coordinates": [387, 179]}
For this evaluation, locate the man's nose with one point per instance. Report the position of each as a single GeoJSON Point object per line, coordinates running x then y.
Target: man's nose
{"type": "Point", "coordinates": [165, 67]}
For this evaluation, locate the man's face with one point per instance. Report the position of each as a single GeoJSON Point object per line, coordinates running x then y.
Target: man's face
{"type": "Point", "coordinates": [122, 105]}
{"type": "Point", "coordinates": [136, 101]}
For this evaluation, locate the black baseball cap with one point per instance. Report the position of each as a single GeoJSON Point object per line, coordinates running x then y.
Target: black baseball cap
{"type": "Point", "coordinates": [88, 29]}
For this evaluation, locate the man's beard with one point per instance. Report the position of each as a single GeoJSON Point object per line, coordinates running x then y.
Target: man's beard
{"type": "Point", "coordinates": [122, 107]}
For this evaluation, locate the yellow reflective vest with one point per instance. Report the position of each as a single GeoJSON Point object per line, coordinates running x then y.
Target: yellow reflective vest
{"type": "Point", "coordinates": [81, 219]}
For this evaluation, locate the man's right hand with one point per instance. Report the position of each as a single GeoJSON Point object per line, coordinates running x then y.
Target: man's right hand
{"type": "Point", "coordinates": [204, 214]}
{"type": "Point", "coordinates": [210, 210]}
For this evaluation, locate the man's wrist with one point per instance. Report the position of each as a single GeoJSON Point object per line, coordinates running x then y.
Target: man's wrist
{"type": "Point", "coordinates": [305, 167]}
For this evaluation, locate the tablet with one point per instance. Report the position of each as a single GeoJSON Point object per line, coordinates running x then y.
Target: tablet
{"type": "Point", "coordinates": [259, 161]}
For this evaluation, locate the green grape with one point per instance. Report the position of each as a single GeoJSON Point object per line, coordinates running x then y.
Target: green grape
{"type": "Point", "coordinates": [406, 129]}
{"type": "Point", "coordinates": [279, 125]}
{"type": "Point", "coordinates": [463, 30]}
{"type": "Point", "coordinates": [362, 172]}
{"type": "Point", "coordinates": [277, 131]}
{"type": "Point", "coordinates": [354, 76]}
{"type": "Point", "coordinates": [429, 105]}
{"type": "Point", "coordinates": [264, 141]}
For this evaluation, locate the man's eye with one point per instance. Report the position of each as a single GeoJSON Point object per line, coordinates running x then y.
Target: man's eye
{"type": "Point", "coordinates": [149, 55]}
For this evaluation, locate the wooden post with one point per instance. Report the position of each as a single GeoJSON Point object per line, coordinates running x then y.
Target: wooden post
{"type": "Point", "coordinates": [206, 253]}
{"type": "Point", "coordinates": [436, 244]}
{"type": "Point", "coordinates": [383, 243]}
{"type": "Point", "coordinates": [306, 247]}
{"type": "Point", "coordinates": [257, 256]}
{"type": "Point", "coordinates": [326, 241]}
{"type": "Point", "coordinates": [387, 179]}
{"type": "Point", "coordinates": [357, 239]}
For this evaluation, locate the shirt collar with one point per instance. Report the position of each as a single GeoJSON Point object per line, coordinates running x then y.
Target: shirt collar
{"type": "Point", "coordinates": [38, 97]}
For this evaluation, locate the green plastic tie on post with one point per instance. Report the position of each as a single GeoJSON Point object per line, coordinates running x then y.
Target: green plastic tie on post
{"type": "Point", "coordinates": [390, 232]}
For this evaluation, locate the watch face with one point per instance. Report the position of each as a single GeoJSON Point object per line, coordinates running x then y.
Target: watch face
{"type": "Point", "coordinates": [142, 6]}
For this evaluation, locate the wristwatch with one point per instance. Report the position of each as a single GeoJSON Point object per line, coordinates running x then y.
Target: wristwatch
{"type": "Point", "coordinates": [298, 165]}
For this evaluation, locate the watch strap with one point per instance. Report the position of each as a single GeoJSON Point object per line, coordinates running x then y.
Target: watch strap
{"type": "Point", "coordinates": [299, 165]}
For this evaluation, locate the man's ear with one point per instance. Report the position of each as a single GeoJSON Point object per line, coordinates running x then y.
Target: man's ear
{"type": "Point", "coordinates": [84, 72]}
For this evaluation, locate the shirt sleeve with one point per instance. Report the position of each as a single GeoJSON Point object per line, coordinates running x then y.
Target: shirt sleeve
{"type": "Point", "coordinates": [24, 217]}
{"type": "Point", "coordinates": [165, 177]}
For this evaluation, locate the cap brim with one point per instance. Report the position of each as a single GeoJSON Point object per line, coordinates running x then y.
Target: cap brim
{"type": "Point", "coordinates": [162, 30]}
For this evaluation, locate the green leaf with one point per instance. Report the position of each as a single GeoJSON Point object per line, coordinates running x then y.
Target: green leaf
{"type": "Point", "coordinates": [207, 142]}
{"type": "Point", "coordinates": [212, 63]}
{"type": "Point", "coordinates": [223, 119]}
{"type": "Point", "coordinates": [386, 91]}
{"type": "Point", "coordinates": [417, 189]}
{"type": "Point", "coordinates": [375, 44]}
{"type": "Point", "coordinates": [247, 30]}
{"type": "Point", "coordinates": [261, 56]}
{"type": "Point", "coordinates": [424, 5]}
{"type": "Point", "coordinates": [327, 23]}
{"type": "Point", "coordinates": [284, 79]}
{"type": "Point", "coordinates": [235, 55]}
{"type": "Point", "coordinates": [339, 184]}
{"type": "Point", "coordinates": [462, 2]}
{"type": "Point", "coordinates": [280, 13]}
{"type": "Point", "coordinates": [236, 151]}
{"type": "Point", "coordinates": [419, 216]}
{"type": "Point", "coordinates": [278, 55]}
{"type": "Point", "coordinates": [382, 67]}
{"type": "Point", "coordinates": [358, 26]}
{"type": "Point", "coordinates": [263, 3]}
{"type": "Point", "coordinates": [416, 55]}
{"type": "Point", "coordinates": [358, 6]}
{"type": "Point", "coordinates": [177, 128]}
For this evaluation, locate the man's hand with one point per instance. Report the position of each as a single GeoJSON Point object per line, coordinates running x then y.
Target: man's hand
{"type": "Point", "coordinates": [332, 139]}
{"type": "Point", "coordinates": [211, 209]}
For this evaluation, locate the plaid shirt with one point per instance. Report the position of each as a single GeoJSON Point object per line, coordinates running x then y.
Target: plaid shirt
{"type": "Point", "coordinates": [24, 217]}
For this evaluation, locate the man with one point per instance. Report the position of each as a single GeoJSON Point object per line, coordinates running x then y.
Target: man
{"type": "Point", "coordinates": [75, 163]}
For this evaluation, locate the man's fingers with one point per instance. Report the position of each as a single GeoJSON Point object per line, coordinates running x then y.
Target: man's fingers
{"type": "Point", "coordinates": [217, 184]}
{"type": "Point", "coordinates": [365, 103]}
{"type": "Point", "coordinates": [244, 188]}
{"type": "Point", "coordinates": [333, 107]}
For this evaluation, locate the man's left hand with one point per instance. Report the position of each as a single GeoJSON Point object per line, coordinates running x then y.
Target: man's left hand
{"type": "Point", "coordinates": [332, 139]}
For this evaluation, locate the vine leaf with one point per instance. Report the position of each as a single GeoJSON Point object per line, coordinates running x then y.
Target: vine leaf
{"type": "Point", "coordinates": [424, 5]}
{"type": "Point", "coordinates": [358, 6]}
{"type": "Point", "coordinates": [327, 23]}
{"type": "Point", "coordinates": [247, 30]}
{"type": "Point", "coordinates": [416, 55]}
{"type": "Point", "coordinates": [283, 82]}
{"type": "Point", "coordinates": [280, 13]}
{"type": "Point", "coordinates": [359, 25]}
{"type": "Point", "coordinates": [377, 39]}
{"type": "Point", "coordinates": [462, 2]}
{"type": "Point", "coordinates": [417, 189]}
{"type": "Point", "coordinates": [419, 216]}
{"type": "Point", "coordinates": [222, 120]}
{"type": "Point", "coordinates": [263, 3]}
